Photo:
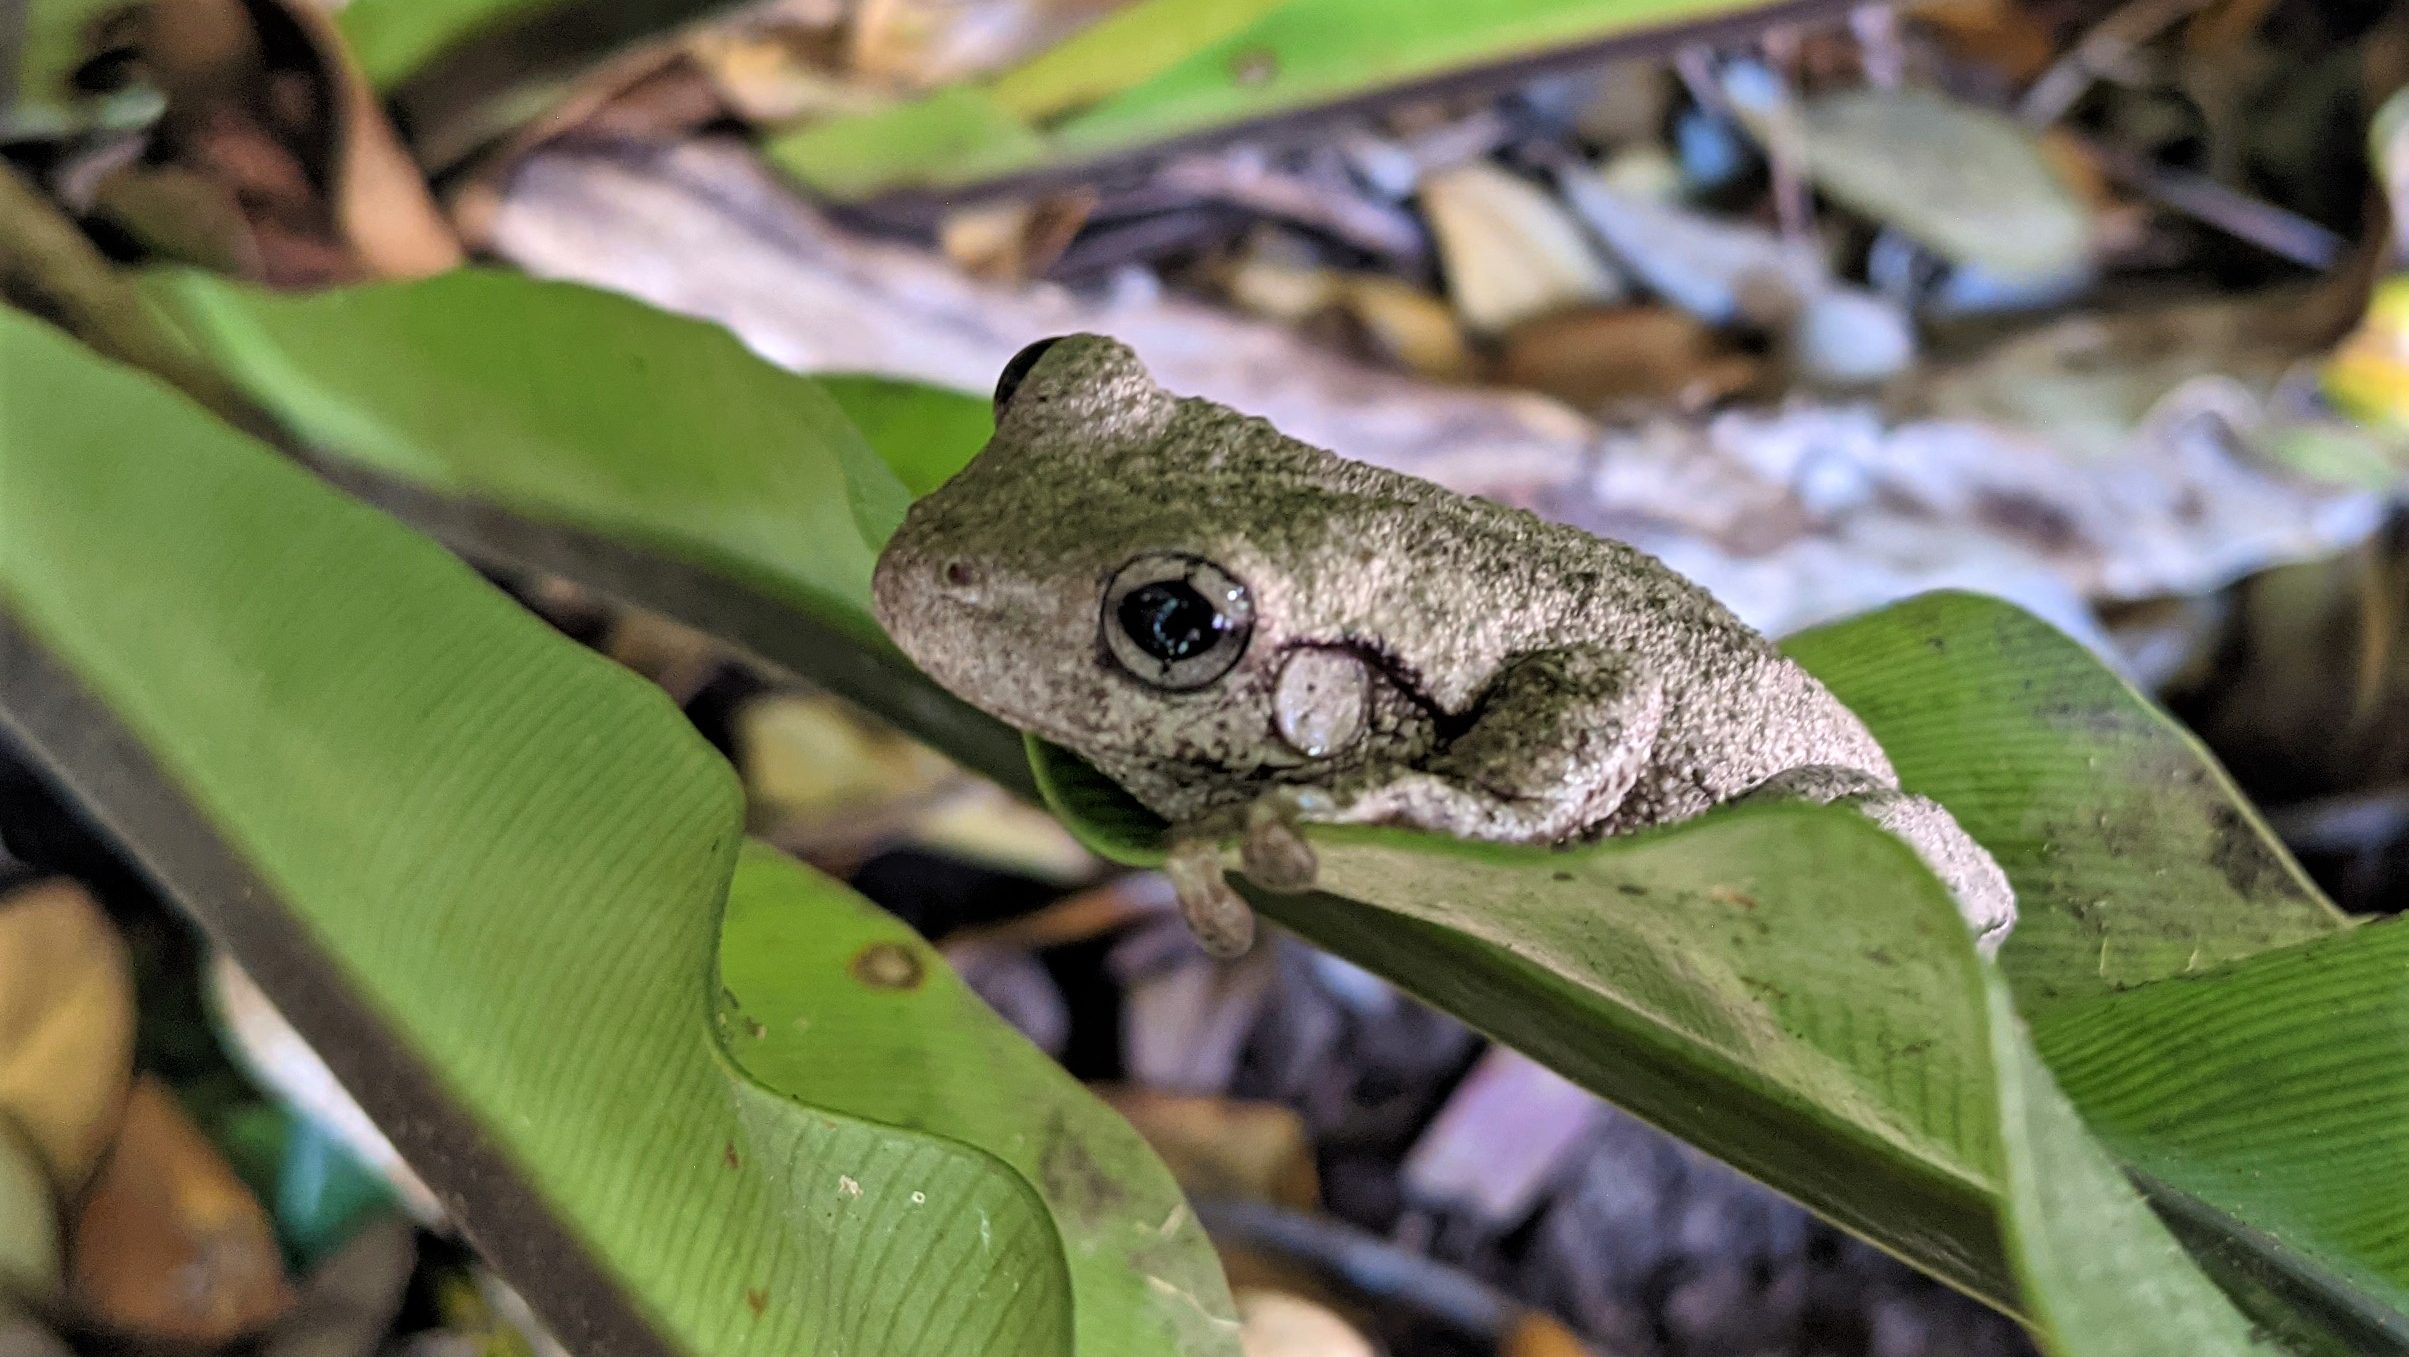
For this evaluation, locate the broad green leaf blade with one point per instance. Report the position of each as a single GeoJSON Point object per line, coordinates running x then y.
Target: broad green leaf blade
{"type": "Point", "coordinates": [924, 433]}
{"type": "Point", "coordinates": [1192, 71]}
{"type": "Point", "coordinates": [2272, 1092]}
{"type": "Point", "coordinates": [2101, 1274]}
{"type": "Point", "coordinates": [832, 1003]}
{"type": "Point", "coordinates": [1887, 1169]}
{"type": "Point", "coordinates": [1790, 990]}
{"type": "Point", "coordinates": [2133, 855]}
{"type": "Point", "coordinates": [553, 426]}
{"type": "Point", "coordinates": [482, 869]}
{"type": "Point", "coordinates": [1718, 979]}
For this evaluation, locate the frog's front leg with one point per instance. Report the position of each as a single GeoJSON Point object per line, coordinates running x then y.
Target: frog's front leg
{"type": "Point", "coordinates": [1983, 894]}
{"type": "Point", "coordinates": [1557, 740]}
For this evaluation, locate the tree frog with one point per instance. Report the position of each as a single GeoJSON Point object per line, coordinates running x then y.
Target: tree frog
{"type": "Point", "coordinates": [1248, 633]}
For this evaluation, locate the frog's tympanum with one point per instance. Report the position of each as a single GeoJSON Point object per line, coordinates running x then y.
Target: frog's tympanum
{"type": "Point", "coordinates": [1248, 632]}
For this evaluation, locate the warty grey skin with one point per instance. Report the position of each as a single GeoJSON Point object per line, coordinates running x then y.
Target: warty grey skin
{"type": "Point", "coordinates": [1383, 649]}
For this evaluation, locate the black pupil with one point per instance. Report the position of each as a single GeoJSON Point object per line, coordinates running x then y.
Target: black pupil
{"type": "Point", "coordinates": [1170, 620]}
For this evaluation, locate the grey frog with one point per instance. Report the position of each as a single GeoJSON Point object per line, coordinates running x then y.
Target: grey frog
{"type": "Point", "coordinates": [1247, 632]}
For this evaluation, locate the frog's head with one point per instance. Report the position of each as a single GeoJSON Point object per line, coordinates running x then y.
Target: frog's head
{"type": "Point", "coordinates": [1115, 570]}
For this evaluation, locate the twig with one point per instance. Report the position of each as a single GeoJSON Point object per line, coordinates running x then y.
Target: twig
{"type": "Point", "coordinates": [2286, 235]}
{"type": "Point", "coordinates": [1366, 1263]}
{"type": "Point", "coordinates": [1881, 53]}
{"type": "Point", "coordinates": [2100, 50]}
{"type": "Point", "coordinates": [1243, 179]}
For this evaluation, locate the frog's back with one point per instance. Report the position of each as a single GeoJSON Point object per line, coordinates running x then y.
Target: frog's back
{"type": "Point", "coordinates": [1486, 582]}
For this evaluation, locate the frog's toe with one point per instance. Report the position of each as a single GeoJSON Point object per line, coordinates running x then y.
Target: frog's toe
{"type": "Point", "coordinates": [1223, 924]}
{"type": "Point", "coordinates": [1273, 848]}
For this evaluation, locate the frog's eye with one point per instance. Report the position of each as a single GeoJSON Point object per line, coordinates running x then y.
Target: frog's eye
{"type": "Point", "coordinates": [1176, 622]}
{"type": "Point", "coordinates": [1017, 371]}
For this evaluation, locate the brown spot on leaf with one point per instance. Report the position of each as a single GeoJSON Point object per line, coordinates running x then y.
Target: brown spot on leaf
{"type": "Point", "coordinates": [887, 965]}
{"type": "Point", "coordinates": [1256, 66]}
{"type": "Point", "coordinates": [756, 1300]}
{"type": "Point", "coordinates": [728, 1155]}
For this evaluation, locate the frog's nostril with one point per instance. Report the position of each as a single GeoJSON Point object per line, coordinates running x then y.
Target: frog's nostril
{"type": "Point", "coordinates": [960, 576]}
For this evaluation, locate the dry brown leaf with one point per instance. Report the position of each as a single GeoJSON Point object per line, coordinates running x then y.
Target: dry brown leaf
{"type": "Point", "coordinates": [1510, 251]}
{"type": "Point", "coordinates": [179, 214]}
{"type": "Point", "coordinates": [1599, 356]}
{"type": "Point", "coordinates": [1015, 240]}
{"type": "Point", "coordinates": [275, 118]}
{"type": "Point", "coordinates": [1408, 325]}
{"type": "Point", "coordinates": [1538, 1335]}
{"type": "Point", "coordinates": [381, 200]}
{"type": "Point", "coordinates": [1279, 277]}
{"type": "Point", "coordinates": [66, 1026]}
{"type": "Point", "coordinates": [2001, 35]}
{"type": "Point", "coordinates": [170, 1245]}
{"type": "Point", "coordinates": [677, 658]}
{"type": "Point", "coordinates": [1276, 1324]}
{"type": "Point", "coordinates": [1225, 1147]}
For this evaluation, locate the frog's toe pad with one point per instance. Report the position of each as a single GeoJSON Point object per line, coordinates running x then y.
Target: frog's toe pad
{"type": "Point", "coordinates": [1273, 849]}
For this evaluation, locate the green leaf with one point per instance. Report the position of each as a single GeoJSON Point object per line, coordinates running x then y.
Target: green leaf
{"type": "Point", "coordinates": [2269, 1099]}
{"type": "Point", "coordinates": [552, 426]}
{"type": "Point", "coordinates": [1784, 986]}
{"type": "Point", "coordinates": [1165, 69]}
{"type": "Point", "coordinates": [401, 377]}
{"type": "Point", "coordinates": [925, 433]}
{"type": "Point", "coordinates": [2101, 1274]}
{"type": "Point", "coordinates": [482, 868]}
{"type": "Point", "coordinates": [832, 1003]}
{"type": "Point", "coordinates": [1862, 1087]}
{"type": "Point", "coordinates": [2133, 855]}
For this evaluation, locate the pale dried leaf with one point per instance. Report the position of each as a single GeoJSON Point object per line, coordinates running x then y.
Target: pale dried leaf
{"type": "Point", "coordinates": [983, 823]}
{"type": "Point", "coordinates": [1277, 276]}
{"type": "Point", "coordinates": [1413, 328]}
{"type": "Point", "coordinates": [66, 1027]}
{"type": "Point", "coordinates": [1970, 183]}
{"type": "Point", "coordinates": [1510, 251]}
{"type": "Point", "coordinates": [1276, 1324]}
{"type": "Point", "coordinates": [805, 756]}
{"type": "Point", "coordinates": [1503, 1133]}
{"type": "Point", "coordinates": [773, 75]}
{"type": "Point", "coordinates": [1700, 263]}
